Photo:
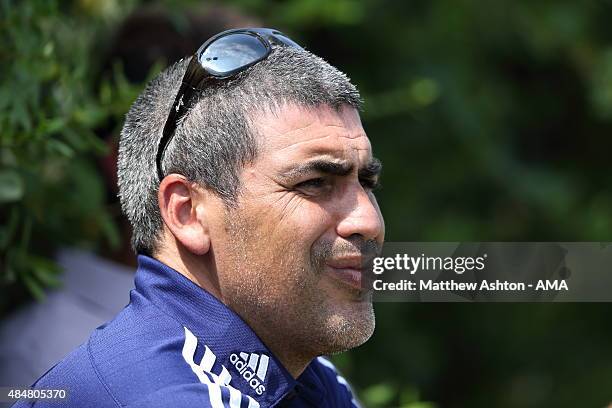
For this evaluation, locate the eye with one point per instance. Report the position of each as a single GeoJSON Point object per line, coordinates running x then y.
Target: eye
{"type": "Point", "coordinates": [315, 187]}
{"type": "Point", "coordinates": [312, 183]}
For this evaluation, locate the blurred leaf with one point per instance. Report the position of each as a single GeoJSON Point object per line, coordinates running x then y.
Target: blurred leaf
{"type": "Point", "coordinates": [9, 276]}
{"type": "Point", "coordinates": [52, 126]}
{"type": "Point", "coordinates": [45, 270]}
{"type": "Point", "coordinates": [57, 146]}
{"type": "Point", "coordinates": [11, 186]}
{"type": "Point", "coordinates": [425, 91]}
{"type": "Point", "coordinates": [110, 231]}
{"type": "Point", "coordinates": [8, 230]}
{"type": "Point", "coordinates": [419, 405]}
{"type": "Point", "coordinates": [33, 286]}
{"type": "Point", "coordinates": [378, 395]}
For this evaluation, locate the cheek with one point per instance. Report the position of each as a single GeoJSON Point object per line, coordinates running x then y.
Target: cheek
{"type": "Point", "coordinates": [380, 216]}
{"type": "Point", "coordinates": [291, 218]}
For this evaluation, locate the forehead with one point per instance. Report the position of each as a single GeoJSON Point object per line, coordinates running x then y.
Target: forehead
{"type": "Point", "coordinates": [293, 132]}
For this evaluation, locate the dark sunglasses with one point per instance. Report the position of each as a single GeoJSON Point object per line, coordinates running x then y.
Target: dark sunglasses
{"type": "Point", "coordinates": [221, 57]}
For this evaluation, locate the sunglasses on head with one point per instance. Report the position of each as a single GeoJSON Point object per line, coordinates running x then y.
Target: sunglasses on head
{"type": "Point", "coordinates": [221, 57]}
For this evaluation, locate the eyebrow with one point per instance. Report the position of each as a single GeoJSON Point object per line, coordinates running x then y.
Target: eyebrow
{"type": "Point", "coordinates": [371, 169]}
{"type": "Point", "coordinates": [334, 168]}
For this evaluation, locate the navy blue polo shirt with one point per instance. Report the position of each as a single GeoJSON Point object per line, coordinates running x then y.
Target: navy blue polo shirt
{"type": "Point", "coordinates": [176, 345]}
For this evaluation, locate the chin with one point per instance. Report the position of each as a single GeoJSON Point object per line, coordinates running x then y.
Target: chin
{"type": "Point", "coordinates": [347, 331]}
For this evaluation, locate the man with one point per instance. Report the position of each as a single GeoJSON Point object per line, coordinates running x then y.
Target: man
{"type": "Point", "coordinates": [247, 178]}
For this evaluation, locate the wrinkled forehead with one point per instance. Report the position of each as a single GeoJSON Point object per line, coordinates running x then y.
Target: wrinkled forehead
{"type": "Point", "coordinates": [295, 132]}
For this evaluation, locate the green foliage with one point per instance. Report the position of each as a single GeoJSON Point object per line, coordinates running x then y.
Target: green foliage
{"type": "Point", "coordinates": [385, 394]}
{"type": "Point", "coordinates": [50, 190]}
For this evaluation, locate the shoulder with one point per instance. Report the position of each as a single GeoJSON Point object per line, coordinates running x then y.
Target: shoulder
{"type": "Point", "coordinates": [122, 361]}
{"type": "Point", "coordinates": [203, 395]}
{"type": "Point", "coordinates": [335, 383]}
{"type": "Point", "coordinates": [78, 378]}
{"type": "Point", "coordinates": [209, 395]}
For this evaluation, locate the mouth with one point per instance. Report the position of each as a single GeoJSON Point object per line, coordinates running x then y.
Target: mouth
{"type": "Point", "coordinates": [348, 270]}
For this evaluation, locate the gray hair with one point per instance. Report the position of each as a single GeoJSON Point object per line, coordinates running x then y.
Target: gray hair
{"type": "Point", "coordinates": [217, 137]}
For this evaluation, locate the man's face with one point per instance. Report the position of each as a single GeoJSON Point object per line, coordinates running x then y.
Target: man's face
{"type": "Point", "coordinates": [289, 255]}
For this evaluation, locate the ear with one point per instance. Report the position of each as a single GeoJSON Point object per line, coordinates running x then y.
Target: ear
{"type": "Point", "coordinates": [182, 206]}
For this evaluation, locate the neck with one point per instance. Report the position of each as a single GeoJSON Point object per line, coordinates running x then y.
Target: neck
{"type": "Point", "coordinates": [194, 269]}
{"type": "Point", "coordinates": [285, 351]}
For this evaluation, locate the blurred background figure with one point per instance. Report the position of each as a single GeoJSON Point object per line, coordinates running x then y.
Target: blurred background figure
{"type": "Point", "coordinates": [95, 287]}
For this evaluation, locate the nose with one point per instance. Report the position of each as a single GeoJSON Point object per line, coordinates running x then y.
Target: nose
{"type": "Point", "coordinates": [360, 215]}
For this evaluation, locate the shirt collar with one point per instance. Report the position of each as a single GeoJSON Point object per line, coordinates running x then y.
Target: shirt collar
{"type": "Point", "coordinates": [216, 327]}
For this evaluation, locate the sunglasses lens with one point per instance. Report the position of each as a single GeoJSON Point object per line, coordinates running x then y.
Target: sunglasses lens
{"type": "Point", "coordinates": [286, 40]}
{"type": "Point", "coordinates": [232, 52]}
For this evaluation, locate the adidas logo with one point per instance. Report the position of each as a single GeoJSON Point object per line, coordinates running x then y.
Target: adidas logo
{"type": "Point", "coordinates": [253, 369]}
{"type": "Point", "coordinates": [215, 382]}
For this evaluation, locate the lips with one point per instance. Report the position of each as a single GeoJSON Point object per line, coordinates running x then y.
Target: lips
{"type": "Point", "coordinates": [352, 262]}
{"type": "Point", "coordinates": [348, 270]}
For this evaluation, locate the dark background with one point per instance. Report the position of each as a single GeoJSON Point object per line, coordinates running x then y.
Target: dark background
{"type": "Point", "coordinates": [492, 119]}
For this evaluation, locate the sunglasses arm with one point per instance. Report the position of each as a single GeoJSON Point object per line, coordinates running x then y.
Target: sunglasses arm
{"type": "Point", "coordinates": [182, 103]}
